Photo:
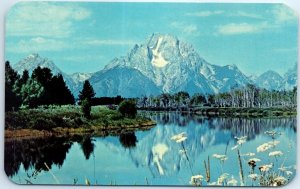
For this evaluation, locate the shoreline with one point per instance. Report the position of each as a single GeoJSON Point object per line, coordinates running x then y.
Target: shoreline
{"type": "Point", "coordinates": [15, 134]}
{"type": "Point", "coordinates": [274, 112]}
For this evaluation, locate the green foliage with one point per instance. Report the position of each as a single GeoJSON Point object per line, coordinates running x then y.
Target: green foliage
{"type": "Point", "coordinates": [42, 75]}
{"type": "Point", "coordinates": [42, 88]}
{"type": "Point", "coordinates": [30, 93]}
{"type": "Point", "coordinates": [198, 99]}
{"type": "Point", "coordinates": [68, 116]}
{"type": "Point", "coordinates": [45, 119]}
{"type": "Point", "coordinates": [12, 100]}
{"type": "Point", "coordinates": [86, 108]}
{"type": "Point", "coordinates": [128, 108]}
{"type": "Point", "coordinates": [56, 90]}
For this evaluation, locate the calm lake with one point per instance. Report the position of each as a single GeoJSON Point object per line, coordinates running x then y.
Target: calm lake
{"type": "Point", "coordinates": [151, 157]}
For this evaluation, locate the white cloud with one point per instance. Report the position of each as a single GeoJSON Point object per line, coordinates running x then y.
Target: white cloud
{"type": "Point", "coordinates": [100, 42]}
{"type": "Point", "coordinates": [205, 13]}
{"type": "Point", "coordinates": [44, 19]}
{"type": "Point", "coordinates": [241, 28]}
{"type": "Point", "coordinates": [37, 44]}
{"type": "Point", "coordinates": [191, 28]}
{"type": "Point", "coordinates": [42, 44]}
{"type": "Point", "coordinates": [283, 13]}
{"type": "Point", "coordinates": [246, 15]}
{"type": "Point", "coordinates": [277, 16]}
{"type": "Point", "coordinates": [185, 27]}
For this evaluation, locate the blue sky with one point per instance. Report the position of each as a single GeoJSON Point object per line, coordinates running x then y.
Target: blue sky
{"type": "Point", "coordinates": [84, 37]}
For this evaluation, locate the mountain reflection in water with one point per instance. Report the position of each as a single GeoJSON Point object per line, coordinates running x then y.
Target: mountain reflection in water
{"type": "Point", "coordinates": [145, 154]}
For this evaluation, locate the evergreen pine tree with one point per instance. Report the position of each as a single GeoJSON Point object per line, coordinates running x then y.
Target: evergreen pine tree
{"type": "Point", "coordinates": [12, 101]}
{"type": "Point", "coordinates": [60, 92]}
{"type": "Point", "coordinates": [87, 92]}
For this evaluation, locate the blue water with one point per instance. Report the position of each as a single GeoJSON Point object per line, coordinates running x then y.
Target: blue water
{"type": "Point", "coordinates": [151, 157]}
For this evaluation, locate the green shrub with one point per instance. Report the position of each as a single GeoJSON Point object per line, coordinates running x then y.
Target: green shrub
{"type": "Point", "coordinates": [86, 108]}
{"type": "Point", "coordinates": [128, 109]}
{"type": "Point", "coordinates": [42, 124]}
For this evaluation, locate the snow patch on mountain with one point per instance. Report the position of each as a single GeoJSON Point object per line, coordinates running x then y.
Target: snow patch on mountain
{"type": "Point", "coordinates": [81, 77]}
{"type": "Point", "coordinates": [157, 59]}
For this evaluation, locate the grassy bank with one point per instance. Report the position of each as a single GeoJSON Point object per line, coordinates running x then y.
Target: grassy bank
{"type": "Point", "coordinates": [66, 120]}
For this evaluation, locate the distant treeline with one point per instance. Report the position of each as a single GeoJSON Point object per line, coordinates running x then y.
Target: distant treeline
{"type": "Point", "coordinates": [106, 100]}
{"type": "Point", "coordinates": [249, 96]}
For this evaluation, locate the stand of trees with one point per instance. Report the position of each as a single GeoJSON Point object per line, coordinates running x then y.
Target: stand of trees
{"type": "Point", "coordinates": [248, 96]}
{"type": "Point", "coordinates": [106, 100]}
{"type": "Point", "coordinates": [41, 88]}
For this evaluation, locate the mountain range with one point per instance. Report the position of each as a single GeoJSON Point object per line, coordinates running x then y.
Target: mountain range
{"type": "Point", "coordinates": [162, 64]}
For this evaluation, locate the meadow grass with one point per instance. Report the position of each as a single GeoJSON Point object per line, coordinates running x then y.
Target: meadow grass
{"type": "Point", "coordinates": [70, 119]}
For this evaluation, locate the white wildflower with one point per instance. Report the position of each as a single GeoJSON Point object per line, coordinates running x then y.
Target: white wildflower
{"type": "Point", "coordinates": [241, 140]}
{"type": "Point", "coordinates": [222, 178]}
{"type": "Point", "coordinates": [266, 146]}
{"type": "Point", "coordinates": [288, 173]}
{"type": "Point", "coordinates": [283, 168]}
{"type": "Point", "coordinates": [248, 154]}
{"type": "Point", "coordinates": [254, 159]}
{"type": "Point", "coordinates": [265, 168]}
{"type": "Point", "coordinates": [180, 137]}
{"type": "Point", "coordinates": [196, 179]}
{"type": "Point", "coordinates": [279, 181]}
{"type": "Point", "coordinates": [220, 157]}
{"type": "Point", "coordinates": [182, 151]}
{"type": "Point", "coordinates": [270, 133]}
{"type": "Point", "coordinates": [273, 133]}
{"type": "Point", "coordinates": [232, 182]}
{"type": "Point", "coordinates": [276, 153]}
{"type": "Point", "coordinates": [253, 176]}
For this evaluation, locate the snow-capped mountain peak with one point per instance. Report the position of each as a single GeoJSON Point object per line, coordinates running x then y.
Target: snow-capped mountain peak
{"type": "Point", "coordinates": [270, 80]}
{"type": "Point", "coordinates": [162, 64]}
{"type": "Point", "coordinates": [174, 65]}
{"type": "Point", "coordinates": [32, 61]}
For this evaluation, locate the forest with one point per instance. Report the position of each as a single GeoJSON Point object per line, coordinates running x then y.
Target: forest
{"type": "Point", "coordinates": [248, 96]}
{"type": "Point", "coordinates": [39, 88]}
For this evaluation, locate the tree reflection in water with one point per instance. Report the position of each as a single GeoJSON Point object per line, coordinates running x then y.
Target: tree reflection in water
{"type": "Point", "coordinates": [87, 146]}
{"type": "Point", "coordinates": [239, 126]}
{"type": "Point", "coordinates": [34, 153]}
{"type": "Point", "coordinates": [128, 140]}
